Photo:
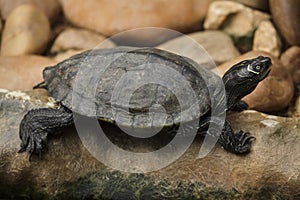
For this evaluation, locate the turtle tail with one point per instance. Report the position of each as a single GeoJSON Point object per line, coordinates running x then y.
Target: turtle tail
{"type": "Point", "coordinates": [40, 85]}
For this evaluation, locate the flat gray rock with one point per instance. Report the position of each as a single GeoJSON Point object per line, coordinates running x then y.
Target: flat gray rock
{"type": "Point", "coordinates": [68, 171]}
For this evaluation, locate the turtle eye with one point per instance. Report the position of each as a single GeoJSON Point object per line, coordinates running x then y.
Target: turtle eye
{"type": "Point", "coordinates": [255, 70]}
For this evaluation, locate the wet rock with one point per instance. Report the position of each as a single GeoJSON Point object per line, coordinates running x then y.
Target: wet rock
{"type": "Point", "coordinates": [79, 39]}
{"type": "Point", "coordinates": [217, 44]}
{"type": "Point", "coordinates": [114, 16]}
{"type": "Point", "coordinates": [272, 94]}
{"type": "Point", "coordinates": [286, 16]}
{"type": "Point", "coordinates": [26, 31]}
{"type": "Point", "coordinates": [68, 171]}
{"type": "Point", "coordinates": [22, 72]}
{"type": "Point", "coordinates": [266, 39]}
{"type": "Point", "coordinates": [291, 60]}
{"type": "Point", "coordinates": [51, 8]}
{"type": "Point", "coordinates": [234, 18]}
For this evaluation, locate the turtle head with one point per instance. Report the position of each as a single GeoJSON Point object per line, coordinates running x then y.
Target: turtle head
{"type": "Point", "coordinates": [242, 78]}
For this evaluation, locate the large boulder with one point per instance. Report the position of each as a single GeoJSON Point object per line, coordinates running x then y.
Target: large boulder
{"type": "Point", "coordinates": [113, 16]}
{"type": "Point", "coordinates": [68, 171]}
{"type": "Point", "coordinates": [286, 16]}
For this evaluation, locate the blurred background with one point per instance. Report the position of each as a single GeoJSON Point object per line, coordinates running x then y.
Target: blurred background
{"type": "Point", "coordinates": [40, 33]}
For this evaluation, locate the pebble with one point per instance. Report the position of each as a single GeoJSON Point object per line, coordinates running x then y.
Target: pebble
{"type": "Point", "coordinates": [216, 44]}
{"type": "Point", "coordinates": [266, 39]}
{"type": "Point", "coordinates": [22, 72]}
{"type": "Point", "coordinates": [51, 8]}
{"type": "Point", "coordinates": [286, 16]}
{"type": "Point", "coordinates": [79, 39]}
{"type": "Point", "coordinates": [234, 18]}
{"type": "Point", "coordinates": [272, 94]}
{"type": "Point", "coordinates": [291, 60]}
{"type": "Point", "coordinates": [113, 16]}
{"type": "Point", "coordinates": [26, 31]}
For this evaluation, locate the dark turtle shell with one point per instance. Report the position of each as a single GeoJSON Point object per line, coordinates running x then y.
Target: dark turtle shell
{"type": "Point", "coordinates": [127, 85]}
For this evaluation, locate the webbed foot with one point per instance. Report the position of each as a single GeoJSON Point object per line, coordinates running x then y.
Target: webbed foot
{"type": "Point", "coordinates": [33, 142]}
{"type": "Point", "coordinates": [37, 124]}
{"type": "Point", "coordinates": [239, 143]}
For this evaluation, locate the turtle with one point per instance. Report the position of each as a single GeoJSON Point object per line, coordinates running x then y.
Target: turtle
{"type": "Point", "coordinates": [60, 81]}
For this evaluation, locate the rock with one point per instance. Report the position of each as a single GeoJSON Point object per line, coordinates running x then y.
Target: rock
{"type": "Point", "coordinates": [114, 16]}
{"type": "Point", "coordinates": [22, 72]}
{"type": "Point", "coordinates": [266, 39]}
{"type": "Point", "coordinates": [68, 170]}
{"type": "Point", "coordinates": [51, 8]}
{"type": "Point", "coordinates": [66, 54]}
{"type": "Point", "coordinates": [218, 45]}
{"type": "Point", "coordinates": [272, 94]}
{"type": "Point", "coordinates": [1, 25]}
{"type": "Point", "coordinates": [286, 16]}
{"type": "Point", "coordinates": [234, 18]}
{"type": "Point", "coordinates": [291, 60]}
{"type": "Point", "coordinates": [256, 4]}
{"type": "Point", "coordinates": [26, 31]}
{"type": "Point", "coordinates": [297, 106]}
{"type": "Point", "coordinates": [79, 39]}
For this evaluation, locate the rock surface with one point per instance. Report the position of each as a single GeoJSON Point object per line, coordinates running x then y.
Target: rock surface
{"type": "Point", "coordinates": [68, 171]}
{"type": "Point", "coordinates": [256, 4]}
{"type": "Point", "coordinates": [26, 31]}
{"type": "Point", "coordinates": [266, 39]}
{"type": "Point", "coordinates": [234, 18]}
{"type": "Point", "coordinates": [272, 94]}
{"type": "Point", "coordinates": [51, 8]}
{"type": "Point", "coordinates": [291, 60]}
{"type": "Point", "coordinates": [79, 39]}
{"type": "Point", "coordinates": [114, 16]}
{"type": "Point", "coordinates": [286, 16]}
{"type": "Point", "coordinates": [22, 72]}
{"type": "Point", "coordinates": [217, 44]}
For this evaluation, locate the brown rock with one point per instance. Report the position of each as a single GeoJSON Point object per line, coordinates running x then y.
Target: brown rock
{"type": "Point", "coordinates": [266, 39]}
{"type": "Point", "coordinates": [272, 94]}
{"type": "Point", "coordinates": [1, 26]}
{"type": "Point", "coordinates": [286, 16]}
{"type": "Point", "coordinates": [256, 4]}
{"type": "Point", "coordinates": [79, 39]}
{"type": "Point", "coordinates": [291, 60]}
{"type": "Point", "coordinates": [113, 16]}
{"type": "Point", "coordinates": [51, 8]}
{"type": "Point", "coordinates": [22, 72]}
{"type": "Point", "coordinates": [26, 31]}
{"type": "Point", "coordinates": [216, 44]}
{"type": "Point", "coordinates": [234, 18]}
{"type": "Point", "coordinates": [66, 54]}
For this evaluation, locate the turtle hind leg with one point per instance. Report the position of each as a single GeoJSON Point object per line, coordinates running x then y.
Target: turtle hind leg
{"type": "Point", "coordinates": [38, 123]}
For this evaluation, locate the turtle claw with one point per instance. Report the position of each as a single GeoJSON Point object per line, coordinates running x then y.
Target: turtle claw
{"type": "Point", "coordinates": [238, 143]}
{"type": "Point", "coordinates": [34, 142]}
{"type": "Point", "coordinates": [243, 142]}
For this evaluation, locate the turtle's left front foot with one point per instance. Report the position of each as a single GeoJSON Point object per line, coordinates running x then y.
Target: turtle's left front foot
{"type": "Point", "coordinates": [239, 143]}
{"type": "Point", "coordinates": [240, 106]}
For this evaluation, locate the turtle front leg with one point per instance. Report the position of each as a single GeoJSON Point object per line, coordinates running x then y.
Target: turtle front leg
{"type": "Point", "coordinates": [238, 143]}
{"type": "Point", "coordinates": [38, 123]}
{"type": "Point", "coordinates": [239, 106]}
